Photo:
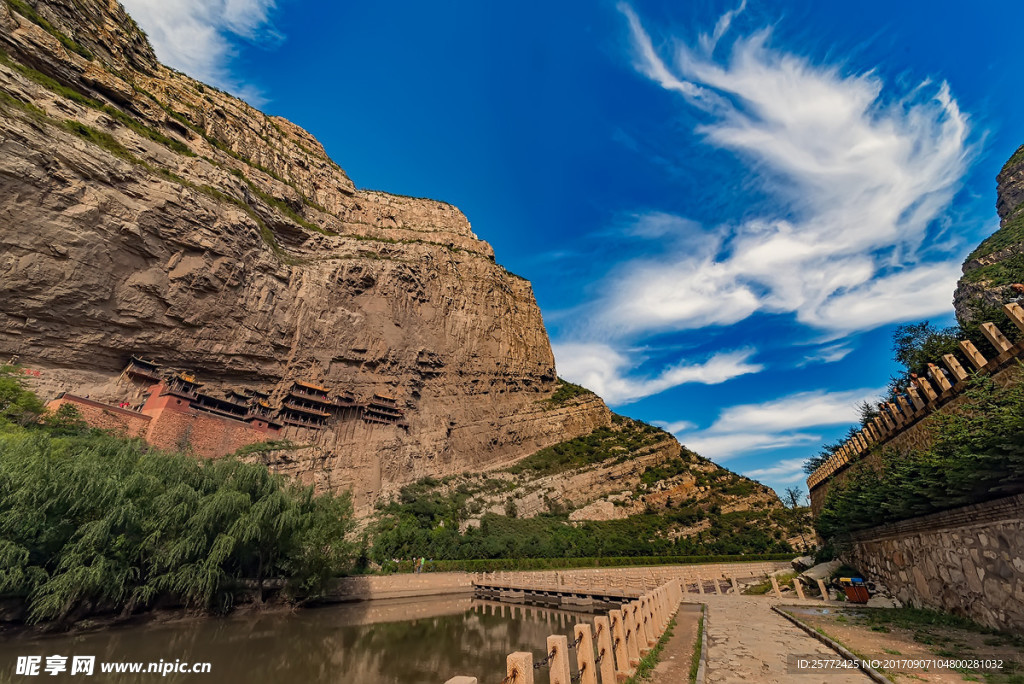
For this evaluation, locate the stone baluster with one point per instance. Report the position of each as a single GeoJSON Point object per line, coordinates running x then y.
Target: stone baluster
{"type": "Point", "coordinates": [1015, 313]}
{"type": "Point", "coordinates": [927, 391]}
{"type": "Point", "coordinates": [618, 625]}
{"type": "Point", "coordinates": [915, 398]}
{"type": "Point", "coordinates": [954, 367]}
{"type": "Point", "coordinates": [939, 378]}
{"type": "Point", "coordinates": [585, 664]}
{"type": "Point", "coordinates": [605, 649]}
{"type": "Point", "coordinates": [995, 336]}
{"type": "Point", "coordinates": [973, 355]}
{"type": "Point", "coordinates": [519, 667]}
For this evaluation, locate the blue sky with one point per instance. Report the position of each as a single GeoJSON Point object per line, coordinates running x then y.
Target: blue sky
{"type": "Point", "coordinates": [724, 208]}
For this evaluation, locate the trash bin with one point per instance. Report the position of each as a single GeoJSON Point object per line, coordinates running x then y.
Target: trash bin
{"type": "Point", "coordinates": [855, 590]}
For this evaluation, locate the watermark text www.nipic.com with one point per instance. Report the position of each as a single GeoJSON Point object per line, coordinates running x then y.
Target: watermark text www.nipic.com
{"type": "Point", "coordinates": [30, 666]}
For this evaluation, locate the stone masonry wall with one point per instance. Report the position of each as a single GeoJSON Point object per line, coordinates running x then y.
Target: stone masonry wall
{"type": "Point", "coordinates": [967, 561]}
{"type": "Point", "coordinates": [97, 415]}
{"type": "Point", "coordinates": [207, 435]}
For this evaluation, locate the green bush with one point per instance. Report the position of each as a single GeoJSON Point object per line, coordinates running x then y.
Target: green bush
{"type": "Point", "coordinates": [91, 522]}
{"type": "Point", "coordinates": [977, 454]}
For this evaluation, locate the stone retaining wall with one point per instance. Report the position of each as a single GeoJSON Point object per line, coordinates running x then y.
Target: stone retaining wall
{"type": "Point", "coordinates": [445, 583]}
{"type": "Point", "coordinates": [967, 561]}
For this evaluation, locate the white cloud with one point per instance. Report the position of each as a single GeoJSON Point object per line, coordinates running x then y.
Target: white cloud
{"type": "Point", "coordinates": [601, 368]}
{"type": "Point", "coordinates": [720, 448]}
{"type": "Point", "coordinates": [775, 424]}
{"type": "Point", "coordinates": [859, 175]}
{"type": "Point", "coordinates": [796, 411]}
{"type": "Point", "coordinates": [194, 36]}
{"type": "Point", "coordinates": [786, 471]}
{"type": "Point", "coordinates": [827, 354]}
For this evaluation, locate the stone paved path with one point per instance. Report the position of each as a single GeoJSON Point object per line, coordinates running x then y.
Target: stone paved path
{"type": "Point", "coordinates": [674, 665]}
{"type": "Point", "coordinates": [748, 642]}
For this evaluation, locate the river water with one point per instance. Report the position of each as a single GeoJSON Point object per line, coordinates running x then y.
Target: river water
{"type": "Point", "coordinates": [413, 641]}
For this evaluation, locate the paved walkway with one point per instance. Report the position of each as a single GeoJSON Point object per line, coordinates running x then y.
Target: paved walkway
{"type": "Point", "coordinates": [748, 642]}
{"type": "Point", "coordinates": [674, 665]}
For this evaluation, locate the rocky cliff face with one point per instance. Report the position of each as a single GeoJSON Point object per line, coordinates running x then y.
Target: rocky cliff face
{"type": "Point", "coordinates": [998, 262]}
{"type": "Point", "coordinates": [142, 212]}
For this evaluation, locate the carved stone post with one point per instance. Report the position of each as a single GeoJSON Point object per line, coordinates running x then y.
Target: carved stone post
{"type": "Point", "coordinates": [519, 667]}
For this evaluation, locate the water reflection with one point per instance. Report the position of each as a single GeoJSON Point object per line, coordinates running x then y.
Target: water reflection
{"type": "Point", "coordinates": [413, 641]}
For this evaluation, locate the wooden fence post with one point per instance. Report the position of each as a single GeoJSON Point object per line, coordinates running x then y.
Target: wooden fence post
{"type": "Point", "coordinates": [585, 654]}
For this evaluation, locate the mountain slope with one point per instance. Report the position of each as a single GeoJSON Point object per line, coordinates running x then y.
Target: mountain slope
{"type": "Point", "coordinates": [998, 262]}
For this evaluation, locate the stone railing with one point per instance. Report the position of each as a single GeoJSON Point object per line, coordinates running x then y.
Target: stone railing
{"type": "Point", "coordinates": [609, 652]}
{"type": "Point", "coordinates": [924, 395]}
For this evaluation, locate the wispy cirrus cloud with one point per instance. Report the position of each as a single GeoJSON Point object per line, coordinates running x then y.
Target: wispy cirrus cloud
{"type": "Point", "coordinates": [857, 175]}
{"type": "Point", "coordinates": [775, 424]}
{"type": "Point", "coordinates": [786, 471]}
{"type": "Point", "coordinates": [195, 36]}
{"type": "Point", "coordinates": [607, 371]}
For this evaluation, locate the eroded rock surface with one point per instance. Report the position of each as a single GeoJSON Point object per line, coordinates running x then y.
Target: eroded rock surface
{"type": "Point", "coordinates": [142, 212]}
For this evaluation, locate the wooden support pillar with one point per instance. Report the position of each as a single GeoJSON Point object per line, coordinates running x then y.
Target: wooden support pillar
{"type": "Point", "coordinates": [775, 587]}
{"type": "Point", "coordinates": [587, 668]}
{"type": "Point", "coordinates": [896, 415]}
{"type": "Point", "coordinates": [973, 355]}
{"type": "Point", "coordinates": [798, 587]}
{"type": "Point", "coordinates": [996, 337]}
{"type": "Point", "coordinates": [823, 589]}
{"type": "Point", "coordinates": [619, 644]}
{"type": "Point", "coordinates": [519, 667]}
{"type": "Point", "coordinates": [462, 680]}
{"type": "Point", "coordinates": [954, 366]}
{"type": "Point", "coordinates": [1016, 314]}
{"type": "Point", "coordinates": [718, 588]}
{"type": "Point", "coordinates": [885, 420]}
{"type": "Point", "coordinates": [700, 585]}
{"type": "Point", "coordinates": [735, 589]}
{"type": "Point", "coordinates": [605, 650]}
{"type": "Point", "coordinates": [558, 646]}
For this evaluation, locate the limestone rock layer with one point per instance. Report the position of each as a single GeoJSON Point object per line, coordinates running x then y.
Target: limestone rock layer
{"type": "Point", "coordinates": [142, 212]}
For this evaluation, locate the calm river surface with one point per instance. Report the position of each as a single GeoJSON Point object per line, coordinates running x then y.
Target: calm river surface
{"type": "Point", "coordinates": [414, 641]}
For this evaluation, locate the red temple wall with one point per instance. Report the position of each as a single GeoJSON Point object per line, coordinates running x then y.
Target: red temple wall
{"type": "Point", "coordinates": [97, 415]}
{"type": "Point", "coordinates": [168, 422]}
